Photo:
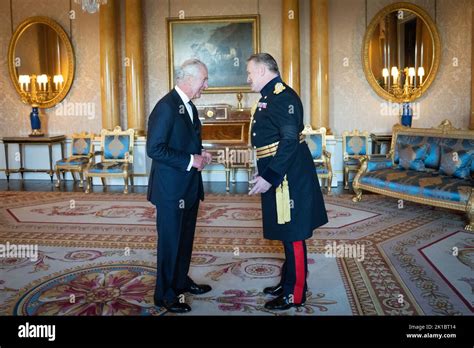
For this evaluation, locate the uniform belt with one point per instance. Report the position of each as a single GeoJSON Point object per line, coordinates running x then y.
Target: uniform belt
{"type": "Point", "coordinates": [271, 149]}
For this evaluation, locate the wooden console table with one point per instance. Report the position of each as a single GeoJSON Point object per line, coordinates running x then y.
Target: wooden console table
{"type": "Point", "coordinates": [225, 132]}
{"type": "Point", "coordinates": [48, 140]}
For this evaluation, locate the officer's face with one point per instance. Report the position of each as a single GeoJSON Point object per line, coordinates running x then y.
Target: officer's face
{"type": "Point", "coordinates": [255, 72]}
{"type": "Point", "coordinates": [199, 83]}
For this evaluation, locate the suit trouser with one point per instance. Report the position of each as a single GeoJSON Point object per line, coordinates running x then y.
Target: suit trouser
{"type": "Point", "coordinates": [295, 270]}
{"type": "Point", "coordinates": [176, 227]}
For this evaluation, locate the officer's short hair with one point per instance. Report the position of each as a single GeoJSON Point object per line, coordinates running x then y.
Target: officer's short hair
{"type": "Point", "coordinates": [189, 67]}
{"type": "Point", "coordinates": [266, 59]}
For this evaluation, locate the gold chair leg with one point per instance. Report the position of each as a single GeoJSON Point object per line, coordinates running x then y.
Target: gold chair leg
{"type": "Point", "coordinates": [329, 183]}
{"type": "Point", "coordinates": [346, 178]}
{"type": "Point", "coordinates": [249, 176]}
{"type": "Point", "coordinates": [358, 192]}
{"type": "Point", "coordinates": [73, 176]}
{"type": "Point", "coordinates": [227, 179]}
{"type": "Point", "coordinates": [58, 177]}
{"type": "Point", "coordinates": [104, 183]}
{"type": "Point", "coordinates": [89, 182]}
{"type": "Point", "coordinates": [125, 190]}
{"type": "Point", "coordinates": [81, 178]}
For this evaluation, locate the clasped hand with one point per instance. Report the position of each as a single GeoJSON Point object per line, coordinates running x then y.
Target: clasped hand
{"type": "Point", "coordinates": [260, 185]}
{"type": "Point", "coordinates": [200, 161]}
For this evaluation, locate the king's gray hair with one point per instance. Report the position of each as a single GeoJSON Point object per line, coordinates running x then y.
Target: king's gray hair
{"type": "Point", "coordinates": [189, 67]}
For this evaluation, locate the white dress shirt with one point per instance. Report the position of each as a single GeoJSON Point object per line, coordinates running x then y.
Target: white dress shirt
{"type": "Point", "coordinates": [186, 101]}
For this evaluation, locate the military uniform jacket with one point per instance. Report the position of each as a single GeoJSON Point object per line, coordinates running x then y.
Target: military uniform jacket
{"type": "Point", "coordinates": [279, 118]}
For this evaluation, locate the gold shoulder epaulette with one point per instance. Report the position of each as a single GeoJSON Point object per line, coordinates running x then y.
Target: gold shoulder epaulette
{"type": "Point", "coordinates": [279, 87]}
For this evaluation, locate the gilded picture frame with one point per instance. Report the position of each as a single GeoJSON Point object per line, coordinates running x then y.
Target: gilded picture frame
{"type": "Point", "coordinates": [222, 43]}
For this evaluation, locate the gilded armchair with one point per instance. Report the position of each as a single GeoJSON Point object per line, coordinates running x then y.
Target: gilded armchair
{"type": "Point", "coordinates": [82, 154]}
{"type": "Point", "coordinates": [316, 140]}
{"type": "Point", "coordinates": [116, 157]}
{"type": "Point", "coordinates": [355, 144]}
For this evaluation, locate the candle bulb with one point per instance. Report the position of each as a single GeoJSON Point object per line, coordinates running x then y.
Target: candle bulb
{"type": "Point", "coordinates": [411, 74]}
{"type": "Point", "coordinates": [395, 74]}
{"type": "Point", "coordinates": [24, 80]}
{"type": "Point", "coordinates": [385, 75]}
{"type": "Point", "coordinates": [42, 81]}
{"type": "Point", "coordinates": [421, 73]}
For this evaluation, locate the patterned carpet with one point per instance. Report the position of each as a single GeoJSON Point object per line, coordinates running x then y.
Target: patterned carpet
{"type": "Point", "coordinates": [96, 256]}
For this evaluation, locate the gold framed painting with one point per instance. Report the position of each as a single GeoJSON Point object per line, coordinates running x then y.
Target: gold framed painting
{"type": "Point", "coordinates": [222, 43]}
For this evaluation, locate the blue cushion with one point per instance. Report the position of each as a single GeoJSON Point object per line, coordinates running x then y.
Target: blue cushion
{"type": "Point", "coordinates": [75, 161]}
{"type": "Point", "coordinates": [107, 167]}
{"type": "Point", "coordinates": [377, 163]}
{"type": "Point", "coordinates": [321, 168]}
{"type": "Point", "coordinates": [412, 156]}
{"type": "Point", "coordinates": [433, 154]}
{"type": "Point", "coordinates": [456, 163]}
{"type": "Point", "coordinates": [421, 184]}
{"type": "Point", "coordinates": [355, 145]}
{"type": "Point", "coordinates": [81, 146]}
{"type": "Point", "coordinates": [315, 144]}
{"type": "Point", "coordinates": [116, 146]}
{"type": "Point", "coordinates": [352, 162]}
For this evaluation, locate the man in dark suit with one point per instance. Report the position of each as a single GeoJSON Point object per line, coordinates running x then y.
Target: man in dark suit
{"type": "Point", "coordinates": [292, 202]}
{"type": "Point", "coordinates": [175, 184]}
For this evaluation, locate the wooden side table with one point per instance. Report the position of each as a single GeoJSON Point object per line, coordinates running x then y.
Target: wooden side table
{"type": "Point", "coordinates": [22, 141]}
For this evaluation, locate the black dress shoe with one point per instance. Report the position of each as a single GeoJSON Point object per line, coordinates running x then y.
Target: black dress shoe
{"type": "Point", "coordinates": [196, 289]}
{"type": "Point", "coordinates": [276, 290]}
{"type": "Point", "coordinates": [282, 303]}
{"type": "Point", "coordinates": [174, 306]}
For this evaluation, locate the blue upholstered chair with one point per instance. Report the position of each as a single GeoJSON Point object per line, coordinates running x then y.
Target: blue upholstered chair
{"type": "Point", "coordinates": [82, 153]}
{"type": "Point", "coordinates": [355, 144]}
{"type": "Point", "coordinates": [116, 157]}
{"type": "Point", "coordinates": [316, 140]}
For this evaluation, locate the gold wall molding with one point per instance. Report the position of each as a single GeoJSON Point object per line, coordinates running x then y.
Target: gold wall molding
{"type": "Point", "coordinates": [134, 65]}
{"type": "Point", "coordinates": [471, 122]}
{"type": "Point", "coordinates": [109, 73]}
{"type": "Point", "coordinates": [319, 65]}
{"type": "Point", "coordinates": [291, 43]}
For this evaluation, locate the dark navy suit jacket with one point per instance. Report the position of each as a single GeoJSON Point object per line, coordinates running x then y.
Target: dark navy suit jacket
{"type": "Point", "coordinates": [171, 139]}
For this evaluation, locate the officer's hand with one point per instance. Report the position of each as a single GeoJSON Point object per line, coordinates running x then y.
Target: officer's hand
{"type": "Point", "coordinates": [207, 156]}
{"type": "Point", "coordinates": [261, 185]}
{"type": "Point", "coordinates": [199, 162]}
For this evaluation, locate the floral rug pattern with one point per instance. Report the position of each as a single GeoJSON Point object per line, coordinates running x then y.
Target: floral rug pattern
{"type": "Point", "coordinates": [97, 253]}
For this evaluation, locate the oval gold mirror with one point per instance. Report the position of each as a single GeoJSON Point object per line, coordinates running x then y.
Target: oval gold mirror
{"type": "Point", "coordinates": [401, 52]}
{"type": "Point", "coordinates": [41, 62]}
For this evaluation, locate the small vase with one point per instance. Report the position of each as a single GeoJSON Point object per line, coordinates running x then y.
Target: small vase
{"type": "Point", "coordinates": [407, 115]}
{"type": "Point", "coordinates": [35, 122]}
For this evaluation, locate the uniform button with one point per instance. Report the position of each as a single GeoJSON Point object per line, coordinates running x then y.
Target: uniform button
{"type": "Point", "coordinates": [259, 109]}
{"type": "Point", "coordinates": [254, 134]}
{"type": "Point", "coordinates": [254, 147]}
{"type": "Point", "coordinates": [254, 121]}
{"type": "Point", "coordinates": [265, 97]}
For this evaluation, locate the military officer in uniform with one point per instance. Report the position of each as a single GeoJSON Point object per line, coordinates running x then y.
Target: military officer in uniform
{"type": "Point", "coordinates": [292, 202]}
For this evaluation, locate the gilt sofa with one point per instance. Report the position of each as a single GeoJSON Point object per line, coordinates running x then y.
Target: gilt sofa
{"type": "Point", "coordinates": [432, 166]}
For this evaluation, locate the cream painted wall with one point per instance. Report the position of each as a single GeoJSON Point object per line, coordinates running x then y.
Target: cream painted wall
{"type": "Point", "coordinates": [352, 103]}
